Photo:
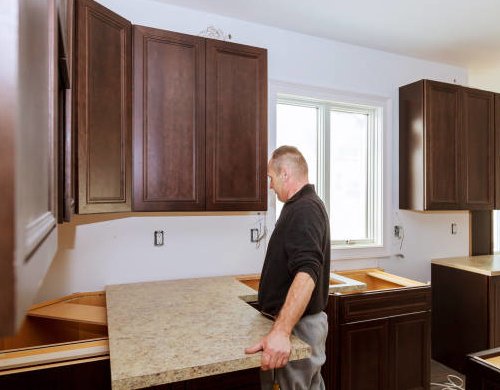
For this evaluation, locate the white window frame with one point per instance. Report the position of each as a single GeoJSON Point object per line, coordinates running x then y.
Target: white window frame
{"type": "Point", "coordinates": [326, 99]}
{"type": "Point", "coordinates": [496, 232]}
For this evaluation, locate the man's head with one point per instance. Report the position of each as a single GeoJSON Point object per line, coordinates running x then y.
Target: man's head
{"type": "Point", "coordinates": [287, 169]}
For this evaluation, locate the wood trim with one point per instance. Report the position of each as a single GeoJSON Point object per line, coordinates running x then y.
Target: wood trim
{"type": "Point", "coordinates": [52, 365]}
{"type": "Point", "coordinates": [52, 354]}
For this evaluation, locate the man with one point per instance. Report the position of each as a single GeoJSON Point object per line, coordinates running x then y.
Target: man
{"type": "Point", "coordinates": [295, 277]}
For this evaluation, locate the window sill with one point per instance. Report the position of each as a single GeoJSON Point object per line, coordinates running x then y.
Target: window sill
{"type": "Point", "coordinates": [347, 252]}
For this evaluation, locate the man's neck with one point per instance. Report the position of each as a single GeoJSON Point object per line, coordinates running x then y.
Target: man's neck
{"type": "Point", "coordinates": [296, 188]}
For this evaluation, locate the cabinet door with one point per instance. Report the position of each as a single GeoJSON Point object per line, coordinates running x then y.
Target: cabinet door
{"type": "Point", "coordinates": [169, 120]}
{"type": "Point", "coordinates": [236, 127]}
{"type": "Point", "coordinates": [494, 311]}
{"type": "Point", "coordinates": [478, 149]}
{"type": "Point", "coordinates": [364, 358]}
{"type": "Point", "coordinates": [28, 130]}
{"type": "Point", "coordinates": [409, 353]}
{"type": "Point", "coordinates": [104, 109]}
{"type": "Point", "coordinates": [442, 142]}
{"type": "Point", "coordinates": [497, 151]}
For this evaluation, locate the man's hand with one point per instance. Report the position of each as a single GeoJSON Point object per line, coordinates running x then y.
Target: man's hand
{"type": "Point", "coordinates": [275, 349]}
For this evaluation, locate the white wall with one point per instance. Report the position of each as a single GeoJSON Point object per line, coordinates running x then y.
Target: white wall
{"type": "Point", "coordinates": [94, 251]}
{"type": "Point", "coordinates": [487, 77]}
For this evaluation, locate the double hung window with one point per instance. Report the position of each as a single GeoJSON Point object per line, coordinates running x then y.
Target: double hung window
{"type": "Point", "coordinates": [343, 146]}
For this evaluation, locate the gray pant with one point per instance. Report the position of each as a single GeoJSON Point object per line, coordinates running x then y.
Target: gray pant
{"type": "Point", "coordinates": [304, 374]}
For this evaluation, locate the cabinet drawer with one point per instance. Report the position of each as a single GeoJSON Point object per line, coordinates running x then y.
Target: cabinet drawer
{"type": "Point", "coordinates": [380, 304]}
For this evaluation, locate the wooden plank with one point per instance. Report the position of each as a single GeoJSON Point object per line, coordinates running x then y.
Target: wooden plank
{"type": "Point", "coordinates": [53, 354]}
{"type": "Point", "coordinates": [404, 282]}
{"type": "Point", "coordinates": [88, 314]}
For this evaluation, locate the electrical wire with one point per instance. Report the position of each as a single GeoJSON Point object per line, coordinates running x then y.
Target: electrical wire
{"type": "Point", "coordinates": [454, 383]}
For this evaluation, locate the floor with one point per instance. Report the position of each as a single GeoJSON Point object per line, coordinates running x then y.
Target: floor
{"type": "Point", "coordinates": [439, 375]}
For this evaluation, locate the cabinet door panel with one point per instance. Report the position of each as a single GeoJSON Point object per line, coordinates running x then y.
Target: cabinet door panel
{"type": "Point", "coordinates": [494, 311]}
{"type": "Point", "coordinates": [28, 190]}
{"type": "Point", "coordinates": [236, 127]}
{"type": "Point", "coordinates": [478, 149]}
{"type": "Point", "coordinates": [169, 120]}
{"type": "Point", "coordinates": [104, 109]}
{"type": "Point", "coordinates": [364, 359]}
{"type": "Point", "coordinates": [497, 151]}
{"type": "Point", "coordinates": [442, 139]}
{"type": "Point", "coordinates": [410, 350]}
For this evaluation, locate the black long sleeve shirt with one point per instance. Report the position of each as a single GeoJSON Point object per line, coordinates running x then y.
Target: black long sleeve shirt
{"type": "Point", "coordinates": [300, 243]}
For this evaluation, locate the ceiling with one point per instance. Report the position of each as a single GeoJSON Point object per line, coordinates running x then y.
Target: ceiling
{"type": "Point", "coordinates": [458, 32]}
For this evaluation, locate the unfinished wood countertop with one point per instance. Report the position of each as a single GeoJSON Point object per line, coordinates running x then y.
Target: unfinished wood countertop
{"type": "Point", "coordinates": [169, 331]}
{"type": "Point", "coordinates": [488, 265]}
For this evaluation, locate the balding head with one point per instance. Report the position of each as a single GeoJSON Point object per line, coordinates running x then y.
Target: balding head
{"type": "Point", "coordinates": [288, 172]}
{"type": "Point", "coordinates": [290, 157]}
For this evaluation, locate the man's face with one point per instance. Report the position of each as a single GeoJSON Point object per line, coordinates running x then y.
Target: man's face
{"type": "Point", "coordinates": [277, 184]}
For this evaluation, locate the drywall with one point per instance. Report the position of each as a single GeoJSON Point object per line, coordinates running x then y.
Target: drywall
{"type": "Point", "coordinates": [487, 77]}
{"type": "Point", "coordinates": [95, 251]}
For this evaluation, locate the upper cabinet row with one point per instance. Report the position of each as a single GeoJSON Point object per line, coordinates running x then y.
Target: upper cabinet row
{"type": "Point", "coordinates": [167, 121]}
{"type": "Point", "coordinates": [447, 147]}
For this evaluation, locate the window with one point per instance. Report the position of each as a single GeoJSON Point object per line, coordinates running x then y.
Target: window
{"type": "Point", "coordinates": [496, 232]}
{"type": "Point", "coordinates": [342, 143]}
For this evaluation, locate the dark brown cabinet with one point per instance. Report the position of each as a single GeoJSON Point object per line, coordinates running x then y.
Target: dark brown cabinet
{"type": "Point", "coordinates": [465, 314]}
{"type": "Point", "coordinates": [169, 120]}
{"type": "Point", "coordinates": [200, 123]}
{"type": "Point", "coordinates": [236, 126]}
{"type": "Point", "coordinates": [379, 340]}
{"type": "Point", "coordinates": [199, 114]}
{"type": "Point", "coordinates": [483, 370]}
{"type": "Point", "coordinates": [28, 153]}
{"type": "Point", "coordinates": [103, 109]}
{"type": "Point", "coordinates": [497, 151]}
{"type": "Point", "coordinates": [446, 147]}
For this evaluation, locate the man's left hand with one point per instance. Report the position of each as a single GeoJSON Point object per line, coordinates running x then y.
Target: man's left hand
{"type": "Point", "coordinates": [275, 349]}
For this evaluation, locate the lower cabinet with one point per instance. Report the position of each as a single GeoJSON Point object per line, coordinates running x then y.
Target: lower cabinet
{"type": "Point", "coordinates": [465, 314]}
{"type": "Point", "coordinates": [482, 370]}
{"type": "Point", "coordinates": [95, 375]}
{"type": "Point", "coordinates": [379, 340]}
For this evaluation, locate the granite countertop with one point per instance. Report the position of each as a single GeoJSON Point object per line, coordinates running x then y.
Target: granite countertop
{"type": "Point", "coordinates": [486, 265]}
{"type": "Point", "coordinates": [169, 331]}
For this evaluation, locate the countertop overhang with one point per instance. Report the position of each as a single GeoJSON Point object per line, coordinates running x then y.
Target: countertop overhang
{"type": "Point", "coordinates": [169, 331]}
{"type": "Point", "coordinates": [488, 265]}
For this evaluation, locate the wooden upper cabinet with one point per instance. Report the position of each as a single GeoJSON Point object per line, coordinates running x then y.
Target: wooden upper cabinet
{"type": "Point", "coordinates": [497, 151]}
{"type": "Point", "coordinates": [236, 127]}
{"type": "Point", "coordinates": [169, 121]}
{"type": "Point", "coordinates": [103, 109]}
{"type": "Point", "coordinates": [446, 141]}
{"type": "Point", "coordinates": [28, 155]}
{"type": "Point", "coordinates": [442, 143]}
{"type": "Point", "coordinates": [478, 149]}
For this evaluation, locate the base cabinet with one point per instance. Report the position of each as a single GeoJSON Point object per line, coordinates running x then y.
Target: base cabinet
{"type": "Point", "coordinates": [483, 370]}
{"type": "Point", "coordinates": [379, 340]}
{"type": "Point", "coordinates": [95, 375]}
{"type": "Point", "coordinates": [464, 315]}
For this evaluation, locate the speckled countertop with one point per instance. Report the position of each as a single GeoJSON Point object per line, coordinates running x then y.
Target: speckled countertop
{"type": "Point", "coordinates": [486, 265]}
{"type": "Point", "coordinates": [169, 331]}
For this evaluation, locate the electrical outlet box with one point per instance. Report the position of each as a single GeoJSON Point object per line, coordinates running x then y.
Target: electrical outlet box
{"type": "Point", "coordinates": [254, 235]}
{"type": "Point", "coordinates": [158, 238]}
{"type": "Point", "coordinates": [398, 231]}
